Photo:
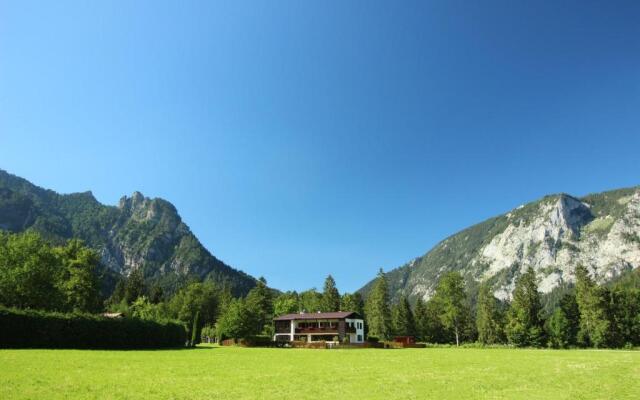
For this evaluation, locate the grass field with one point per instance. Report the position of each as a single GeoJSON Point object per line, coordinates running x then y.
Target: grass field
{"type": "Point", "coordinates": [252, 373]}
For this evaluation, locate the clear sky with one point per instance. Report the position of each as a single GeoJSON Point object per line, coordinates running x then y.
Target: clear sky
{"type": "Point", "coordinates": [300, 138]}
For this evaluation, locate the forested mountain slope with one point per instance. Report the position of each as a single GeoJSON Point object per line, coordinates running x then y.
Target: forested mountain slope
{"type": "Point", "coordinates": [139, 233]}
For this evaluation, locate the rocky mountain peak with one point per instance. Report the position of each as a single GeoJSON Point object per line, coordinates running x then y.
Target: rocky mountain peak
{"type": "Point", "coordinates": [140, 233]}
{"type": "Point", "coordinates": [552, 235]}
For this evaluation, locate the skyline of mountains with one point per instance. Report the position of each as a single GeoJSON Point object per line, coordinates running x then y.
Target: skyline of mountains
{"type": "Point", "coordinates": [553, 235]}
{"type": "Point", "coordinates": [139, 232]}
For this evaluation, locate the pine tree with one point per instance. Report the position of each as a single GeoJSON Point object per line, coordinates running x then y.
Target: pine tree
{"type": "Point", "coordinates": [260, 303]}
{"type": "Point", "coordinates": [156, 294]}
{"type": "Point", "coordinates": [421, 320]}
{"type": "Point", "coordinates": [488, 317]}
{"type": "Point", "coordinates": [524, 321]}
{"type": "Point", "coordinates": [624, 313]}
{"type": "Point", "coordinates": [330, 296]}
{"type": "Point", "coordinates": [570, 309]}
{"type": "Point", "coordinates": [134, 286]}
{"type": "Point", "coordinates": [352, 302]}
{"type": "Point", "coordinates": [402, 319]}
{"type": "Point", "coordinates": [377, 309]}
{"type": "Point", "coordinates": [594, 323]}
{"type": "Point", "coordinates": [559, 329]}
{"type": "Point", "coordinates": [450, 299]}
{"type": "Point", "coordinates": [195, 330]}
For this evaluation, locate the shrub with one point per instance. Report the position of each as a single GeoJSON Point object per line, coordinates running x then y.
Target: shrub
{"type": "Point", "coordinates": [258, 341]}
{"type": "Point", "coordinates": [39, 329]}
{"type": "Point", "coordinates": [373, 339]}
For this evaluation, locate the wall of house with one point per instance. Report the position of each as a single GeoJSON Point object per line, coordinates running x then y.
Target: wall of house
{"type": "Point", "coordinates": [357, 337]}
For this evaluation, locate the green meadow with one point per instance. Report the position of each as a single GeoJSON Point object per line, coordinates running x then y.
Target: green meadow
{"type": "Point", "coordinates": [259, 373]}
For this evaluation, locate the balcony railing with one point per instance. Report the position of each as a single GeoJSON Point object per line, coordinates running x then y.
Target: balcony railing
{"type": "Point", "coordinates": [316, 329]}
{"type": "Point", "coordinates": [325, 329]}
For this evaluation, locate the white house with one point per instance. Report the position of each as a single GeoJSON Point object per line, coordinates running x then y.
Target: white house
{"type": "Point", "coordinates": [320, 326]}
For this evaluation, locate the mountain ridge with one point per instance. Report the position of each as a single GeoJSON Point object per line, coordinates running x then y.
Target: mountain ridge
{"type": "Point", "coordinates": [138, 233]}
{"type": "Point", "coordinates": [552, 234]}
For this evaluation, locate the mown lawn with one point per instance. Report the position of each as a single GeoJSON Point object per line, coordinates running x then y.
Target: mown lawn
{"type": "Point", "coordinates": [242, 373]}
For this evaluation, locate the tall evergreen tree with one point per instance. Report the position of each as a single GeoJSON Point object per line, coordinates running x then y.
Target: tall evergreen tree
{"type": "Point", "coordinates": [330, 296]}
{"type": "Point", "coordinates": [421, 320]}
{"type": "Point", "coordinates": [402, 319]}
{"type": "Point", "coordinates": [224, 299]}
{"type": "Point", "coordinates": [377, 309]}
{"type": "Point", "coordinates": [524, 319]}
{"type": "Point", "coordinates": [156, 294]}
{"type": "Point", "coordinates": [624, 312]}
{"type": "Point", "coordinates": [594, 322]}
{"type": "Point", "coordinates": [352, 302]}
{"type": "Point", "coordinates": [134, 286]}
{"type": "Point", "coordinates": [569, 307]}
{"type": "Point", "coordinates": [488, 317]}
{"type": "Point", "coordinates": [259, 301]}
{"type": "Point", "coordinates": [558, 329]}
{"type": "Point", "coordinates": [450, 299]}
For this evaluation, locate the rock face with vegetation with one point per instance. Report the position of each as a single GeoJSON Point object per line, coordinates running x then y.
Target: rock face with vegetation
{"type": "Point", "coordinates": [552, 235]}
{"type": "Point", "coordinates": [140, 233]}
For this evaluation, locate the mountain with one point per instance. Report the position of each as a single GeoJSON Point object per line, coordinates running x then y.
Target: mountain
{"type": "Point", "coordinates": [139, 233]}
{"type": "Point", "coordinates": [553, 235]}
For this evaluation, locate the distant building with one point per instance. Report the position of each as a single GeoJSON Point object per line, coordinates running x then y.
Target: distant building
{"type": "Point", "coordinates": [321, 326]}
{"type": "Point", "coordinates": [113, 315]}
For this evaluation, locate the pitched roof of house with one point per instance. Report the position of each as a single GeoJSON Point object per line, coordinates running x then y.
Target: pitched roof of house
{"type": "Point", "coordinates": [319, 315]}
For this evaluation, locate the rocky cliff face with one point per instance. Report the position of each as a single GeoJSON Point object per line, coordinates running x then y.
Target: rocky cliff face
{"type": "Point", "coordinates": [140, 233]}
{"type": "Point", "coordinates": [552, 235]}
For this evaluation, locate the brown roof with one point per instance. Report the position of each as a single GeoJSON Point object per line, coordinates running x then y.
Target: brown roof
{"type": "Point", "coordinates": [320, 315]}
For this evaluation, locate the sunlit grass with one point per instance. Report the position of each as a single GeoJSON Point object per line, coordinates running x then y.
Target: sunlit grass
{"type": "Point", "coordinates": [252, 373]}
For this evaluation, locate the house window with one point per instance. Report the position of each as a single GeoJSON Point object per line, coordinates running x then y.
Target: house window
{"type": "Point", "coordinates": [359, 338]}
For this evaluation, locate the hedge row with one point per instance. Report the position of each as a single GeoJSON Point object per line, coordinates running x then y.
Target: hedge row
{"type": "Point", "coordinates": [38, 329]}
{"type": "Point", "coordinates": [250, 341]}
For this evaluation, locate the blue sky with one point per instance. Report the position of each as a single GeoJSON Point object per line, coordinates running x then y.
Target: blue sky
{"type": "Point", "coordinates": [299, 139]}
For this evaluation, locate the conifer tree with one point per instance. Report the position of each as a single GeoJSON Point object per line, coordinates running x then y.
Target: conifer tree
{"type": "Point", "coordinates": [377, 309]}
{"type": "Point", "coordinates": [524, 321]}
{"type": "Point", "coordinates": [421, 320]}
{"type": "Point", "coordinates": [402, 318]}
{"type": "Point", "coordinates": [330, 296]}
{"type": "Point", "coordinates": [594, 323]}
{"type": "Point", "coordinates": [558, 329]}
{"type": "Point", "coordinates": [352, 302]}
{"type": "Point", "coordinates": [260, 303]}
{"type": "Point", "coordinates": [488, 317]}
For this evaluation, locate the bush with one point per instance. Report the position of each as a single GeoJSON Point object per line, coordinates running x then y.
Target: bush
{"type": "Point", "coordinates": [258, 341]}
{"type": "Point", "coordinates": [39, 329]}
{"type": "Point", "coordinates": [373, 339]}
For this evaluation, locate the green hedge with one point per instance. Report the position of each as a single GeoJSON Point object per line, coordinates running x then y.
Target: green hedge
{"type": "Point", "coordinates": [31, 329]}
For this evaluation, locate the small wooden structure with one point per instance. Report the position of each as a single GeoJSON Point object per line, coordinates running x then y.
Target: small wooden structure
{"type": "Point", "coordinates": [405, 340]}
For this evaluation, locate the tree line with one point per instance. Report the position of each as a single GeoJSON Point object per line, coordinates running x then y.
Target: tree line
{"type": "Point", "coordinates": [591, 315]}
{"type": "Point", "coordinates": [37, 275]}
